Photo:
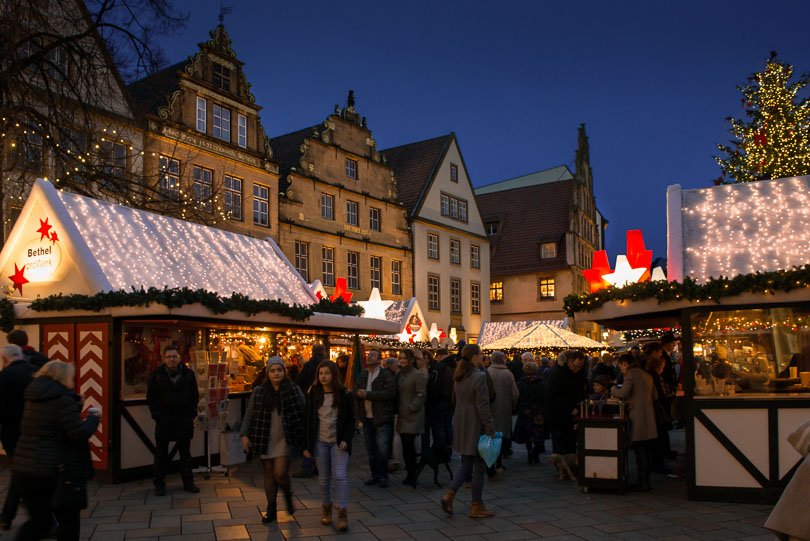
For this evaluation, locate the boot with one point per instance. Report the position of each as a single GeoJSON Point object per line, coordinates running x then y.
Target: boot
{"type": "Point", "coordinates": [326, 517]}
{"type": "Point", "coordinates": [477, 510]}
{"type": "Point", "coordinates": [343, 520]}
{"type": "Point", "coordinates": [288, 499]}
{"type": "Point", "coordinates": [447, 501]}
{"type": "Point", "coordinates": [270, 516]}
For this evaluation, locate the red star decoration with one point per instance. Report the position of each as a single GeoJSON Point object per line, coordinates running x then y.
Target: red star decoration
{"type": "Point", "coordinates": [44, 227]}
{"type": "Point", "coordinates": [18, 278]}
{"type": "Point", "coordinates": [319, 295]}
{"type": "Point", "coordinates": [599, 266]}
{"type": "Point", "coordinates": [637, 255]}
{"type": "Point", "coordinates": [54, 238]}
{"type": "Point", "coordinates": [341, 291]}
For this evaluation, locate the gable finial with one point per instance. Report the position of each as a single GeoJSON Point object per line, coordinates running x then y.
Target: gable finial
{"type": "Point", "coordinates": [350, 101]}
{"type": "Point", "coordinates": [223, 10]}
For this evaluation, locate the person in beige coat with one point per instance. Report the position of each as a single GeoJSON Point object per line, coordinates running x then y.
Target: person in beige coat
{"type": "Point", "coordinates": [639, 390]}
{"type": "Point", "coordinates": [506, 397]}
{"type": "Point", "coordinates": [789, 519]}
{"type": "Point", "coordinates": [412, 384]}
{"type": "Point", "coordinates": [471, 419]}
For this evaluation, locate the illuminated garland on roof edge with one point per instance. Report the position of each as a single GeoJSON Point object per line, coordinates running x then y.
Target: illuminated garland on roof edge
{"type": "Point", "coordinates": [712, 290]}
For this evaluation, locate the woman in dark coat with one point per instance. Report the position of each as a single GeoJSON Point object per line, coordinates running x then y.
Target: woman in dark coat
{"type": "Point", "coordinates": [471, 419]}
{"type": "Point", "coordinates": [273, 429]}
{"type": "Point", "coordinates": [530, 410]}
{"type": "Point", "coordinates": [51, 463]}
{"type": "Point", "coordinates": [566, 387]}
{"type": "Point", "coordinates": [329, 432]}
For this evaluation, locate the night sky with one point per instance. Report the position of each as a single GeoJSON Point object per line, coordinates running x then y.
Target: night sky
{"type": "Point", "coordinates": [652, 81]}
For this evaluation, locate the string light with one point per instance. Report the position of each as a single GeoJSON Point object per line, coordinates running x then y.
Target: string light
{"type": "Point", "coordinates": [492, 331]}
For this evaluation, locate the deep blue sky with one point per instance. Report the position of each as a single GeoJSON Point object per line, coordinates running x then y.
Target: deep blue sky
{"type": "Point", "coordinates": [653, 81]}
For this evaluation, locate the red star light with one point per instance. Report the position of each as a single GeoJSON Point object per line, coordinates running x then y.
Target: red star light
{"type": "Point", "coordinates": [599, 267]}
{"type": "Point", "coordinates": [637, 255]}
{"type": "Point", "coordinates": [18, 278]}
{"type": "Point", "coordinates": [54, 238]}
{"type": "Point", "coordinates": [341, 291]}
{"type": "Point", "coordinates": [44, 227]}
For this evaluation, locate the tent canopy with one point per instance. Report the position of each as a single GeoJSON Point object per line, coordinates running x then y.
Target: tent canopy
{"type": "Point", "coordinates": [543, 335]}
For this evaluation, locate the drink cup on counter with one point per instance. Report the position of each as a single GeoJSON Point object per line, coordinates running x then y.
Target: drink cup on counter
{"type": "Point", "coordinates": [805, 378]}
{"type": "Point", "coordinates": [794, 371]}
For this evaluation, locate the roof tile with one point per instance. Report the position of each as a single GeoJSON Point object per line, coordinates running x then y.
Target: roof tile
{"type": "Point", "coordinates": [414, 165]}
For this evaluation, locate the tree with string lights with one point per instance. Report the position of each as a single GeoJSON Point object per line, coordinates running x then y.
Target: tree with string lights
{"type": "Point", "coordinates": [773, 139]}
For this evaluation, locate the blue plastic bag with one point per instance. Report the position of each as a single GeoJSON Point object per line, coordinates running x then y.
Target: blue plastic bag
{"type": "Point", "coordinates": [489, 448]}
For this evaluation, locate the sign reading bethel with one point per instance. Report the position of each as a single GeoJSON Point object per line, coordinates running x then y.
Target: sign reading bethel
{"type": "Point", "coordinates": [39, 258]}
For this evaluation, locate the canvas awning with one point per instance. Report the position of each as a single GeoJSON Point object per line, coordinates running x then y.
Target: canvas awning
{"type": "Point", "coordinates": [543, 335]}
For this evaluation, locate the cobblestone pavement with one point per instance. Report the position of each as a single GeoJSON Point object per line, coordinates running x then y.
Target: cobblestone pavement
{"type": "Point", "coordinates": [529, 502]}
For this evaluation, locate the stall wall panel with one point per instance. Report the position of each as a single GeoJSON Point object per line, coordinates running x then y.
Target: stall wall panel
{"type": "Point", "coordinates": [749, 433]}
{"type": "Point", "coordinates": [92, 374]}
{"type": "Point", "coordinates": [715, 466]}
{"type": "Point", "coordinates": [58, 343]}
{"type": "Point", "coordinates": [604, 439]}
{"type": "Point", "coordinates": [789, 420]}
{"type": "Point", "coordinates": [601, 467]}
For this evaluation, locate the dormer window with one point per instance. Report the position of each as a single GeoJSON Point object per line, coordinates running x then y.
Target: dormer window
{"type": "Point", "coordinates": [492, 228]}
{"type": "Point", "coordinates": [453, 172]}
{"type": "Point", "coordinates": [222, 77]}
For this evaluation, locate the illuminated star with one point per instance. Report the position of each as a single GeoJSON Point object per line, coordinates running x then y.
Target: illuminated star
{"type": "Point", "coordinates": [18, 278]}
{"type": "Point", "coordinates": [44, 227]}
{"type": "Point", "coordinates": [637, 254]}
{"type": "Point", "coordinates": [374, 307]}
{"type": "Point", "coordinates": [599, 266]}
{"type": "Point", "coordinates": [405, 336]}
{"type": "Point", "coordinates": [658, 275]}
{"type": "Point", "coordinates": [624, 273]}
{"type": "Point", "coordinates": [435, 331]}
{"type": "Point", "coordinates": [54, 238]}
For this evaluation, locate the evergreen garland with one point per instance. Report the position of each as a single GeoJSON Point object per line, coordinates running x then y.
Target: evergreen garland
{"type": "Point", "coordinates": [712, 290]}
{"type": "Point", "coordinates": [6, 315]}
{"type": "Point", "coordinates": [177, 297]}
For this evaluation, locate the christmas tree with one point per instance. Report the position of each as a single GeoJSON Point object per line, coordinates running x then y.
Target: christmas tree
{"type": "Point", "coordinates": [773, 140]}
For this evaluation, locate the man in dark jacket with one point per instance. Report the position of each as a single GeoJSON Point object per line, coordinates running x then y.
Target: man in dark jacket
{"type": "Point", "coordinates": [566, 388]}
{"type": "Point", "coordinates": [14, 379]}
{"type": "Point", "coordinates": [376, 392]}
{"type": "Point", "coordinates": [440, 395]}
{"type": "Point", "coordinates": [19, 337]}
{"type": "Point", "coordinates": [308, 372]}
{"type": "Point", "coordinates": [172, 397]}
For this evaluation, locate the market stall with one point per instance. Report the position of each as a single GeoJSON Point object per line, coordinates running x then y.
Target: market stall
{"type": "Point", "coordinates": [107, 287]}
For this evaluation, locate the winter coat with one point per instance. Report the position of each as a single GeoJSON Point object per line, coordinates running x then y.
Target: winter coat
{"type": "Point", "coordinates": [383, 396]}
{"type": "Point", "coordinates": [412, 385]}
{"type": "Point", "coordinates": [789, 516]}
{"type": "Point", "coordinates": [564, 391]}
{"type": "Point", "coordinates": [530, 409]}
{"type": "Point", "coordinates": [306, 377]}
{"type": "Point", "coordinates": [638, 389]}
{"type": "Point", "coordinates": [34, 357]}
{"type": "Point", "coordinates": [173, 405]}
{"type": "Point", "coordinates": [258, 415]}
{"type": "Point", "coordinates": [13, 381]}
{"type": "Point", "coordinates": [506, 398]}
{"type": "Point", "coordinates": [516, 367]}
{"type": "Point", "coordinates": [345, 419]}
{"type": "Point", "coordinates": [51, 424]}
{"type": "Point", "coordinates": [472, 416]}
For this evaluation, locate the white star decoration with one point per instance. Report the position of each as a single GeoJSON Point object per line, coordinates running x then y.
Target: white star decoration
{"type": "Point", "coordinates": [404, 336]}
{"type": "Point", "coordinates": [623, 274]}
{"type": "Point", "coordinates": [434, 331]}
{"type": "Point", "coordinates": [658, 275]}
{"type": "Point", "coordinates": [375, 307]}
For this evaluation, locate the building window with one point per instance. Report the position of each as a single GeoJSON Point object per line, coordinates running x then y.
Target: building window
{"type": "Point", "coordinates": [455, 251]}
{"type": "Point", "coordinates": [351, 213]}
{"type": "Point", "coordinates": [232, 195]}
{"type": "Point", "coordinates": [34, 152]}
{"type": "Point", "coordinates": [453, 172]}
{"type": "Point", "coordinates": [328, 266]}
{"type": "Point", "coordinates": [302, 259]}
{"type": "Point", "coordinates": [433, 246]}
{"type": "Point", "coordinates": [396, 277]}
{"type": "Point", "coordinates": [548, 250]}
{"type": "Point", "coordinates": [327, 206]}
{"type": "Point", "coordinates": [353, 270]}
{"type": "Point", "coordinates": [475, 297]}
{"type": "Point", "coordinates": [445, 204]}
{"type": "Point", "coordinates": [496, 291]}
{"type": "Point", "coordinates": [374, 219]}
{"type": "Point", "coordinates": [201, 115]}
{"type": "Point", "coordinates": [462, 210]}
{"type": "Point", "coordinates": [241, 126]}
{"type": "Point", "coordinates": [203, 188]}
{"type": "Point", "coordinates": [222, 77]}
{"type": "Point", "coordinates": [455, 295]}
{"type": "Point", "coordinates": [453, 207]}
{"type": "Point", "coordinates": [475, 256]}
{"type": "Point", "coordinates": [170, 177]}
{"type": "Point", "coordinates": [222, 123]}
{"type": "Point", "coordinates": [376, 272]}
{"type": "Point", "coordinates": [351, 169]}
{"type": "Point", "coordinates": [113, 157]}
{"type": "Point", "coordinates": [492, 228]}
{"type": "Point", "coordinates": [545, 288]}
{"type": "Point", "coordinates": [261, 205]}
{"type": "Point", "coordinates": [433, 292]}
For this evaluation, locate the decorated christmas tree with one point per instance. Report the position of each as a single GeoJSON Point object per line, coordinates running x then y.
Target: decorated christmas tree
{"type": "Point", "coordinates": [773, 140]}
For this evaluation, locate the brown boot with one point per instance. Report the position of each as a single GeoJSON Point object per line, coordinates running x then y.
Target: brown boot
{"type": "Point", "coordinates": [447, 501]}
{"type": "Point", "coordinates": [477, 510]}
{"type": "Point", "coordinates": [343, 520]}
{"type": "Point", "coordinates": [326, 517]}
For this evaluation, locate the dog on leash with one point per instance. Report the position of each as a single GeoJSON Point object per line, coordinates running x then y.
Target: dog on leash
{"type": "Point", "coordinates": [566, 465]}
{"type": "Point", "coordinates": [437, 458]}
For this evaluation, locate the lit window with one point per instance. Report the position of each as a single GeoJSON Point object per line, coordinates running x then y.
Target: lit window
{"type": "Point", "coordinates": [376, 272]}
{"type": "Point", "coordinates": [455, 295]}
{"type": "Point", "coordinates": [475, 256]}
{"type": "Point", "coordinates": [433, 246]}
{"type": "Point", "coordinates": [496, 291]}
{"type": "Point", "coordinates": [545, 288]}
{"type": "Point", "coordinates": [433, 292]}
{"type": "Point", "coordinates": [327, 206]}
{"type": "Point", "coordinates": [201, 115]}
{"type": "Point", "coordinates": [396, 277]}
{"type": "Point", "coordinates": [548, 250]}
{"type": "Point", "coordinates": [328, 266]}
{"type": "Point", "coordinates": [261, 205]}
{"type": "Point", "coordinates": [203, 188]}
{"type": "Point", "coordinates": [302, 259]}
{"type": "Point", "coordinates": [475, 297]}
{"type": "Point", "coordinates": [222, 123]}
{"type": "Point", "coordinates": [353, 270]}
{"type": "Point", "coordinates": [374, 222]}
{"type": "Point", "coordinates": [351, 169]}
{"type": "Point", "coordinates": [170, 177]}
{"type": "Point", "coordinates": [241, 131]}
{"type": "Point", "coordinates": [351, 213]}
{"type": "Point", "coordinates": [233, 197]}
{"type": "Point", "coordinates": [455, 251]}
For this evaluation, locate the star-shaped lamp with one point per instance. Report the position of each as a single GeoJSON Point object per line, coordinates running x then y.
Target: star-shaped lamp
{"type": "Point", "coordinates": [637, 254]}
{"type": "Point", "coordinates": [599, 267]}
{"type": "Point", "coordinates": [341, 291]}
{"type": "Point", "coordinates": [318, 290]}
{"type": "Point", "coordinates": [44, 228]}
{"type": "Point", "coordinates": [624, 273]}
{"type": "Point", "coordinates": [374, 307]}
{"type": "Point", "coordinates": [435, 331]}
{"type": "Point", "coordinates": [404, 336]}
{"type": "Point", "coordinates": [18, 278]}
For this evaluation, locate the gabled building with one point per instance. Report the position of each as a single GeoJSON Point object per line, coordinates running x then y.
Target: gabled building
{"type": "Point", "coordinates": [451, 263]}
{"type": "Point", "coordinates": [544, 228]}
{"type": "Point", "coordinates": [206, 156]}
{"type": "Point", "coordinates": [338, 209]}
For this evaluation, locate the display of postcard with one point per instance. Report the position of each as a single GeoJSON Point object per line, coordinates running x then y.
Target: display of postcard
{"type": "Point", "coordinates": [200, 357]}
{"type": "Point", "coordinates": [217, 395]}
{"type": "Point", "coordinates": [213, 409]}
{"type": "Point", "coordinates": [213, 382]}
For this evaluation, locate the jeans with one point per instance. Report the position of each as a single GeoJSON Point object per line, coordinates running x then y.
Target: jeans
{"type": "Point", "coordinates": [332, 466]}
{"type": "Point", "coordinates": [470, 465]}
{"type": "Point", "coordinates": [162, 461]}
{"type": "Point", "coordinates": [378, 445]}
{"type": "Point", "coordinates": [442, 427]}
